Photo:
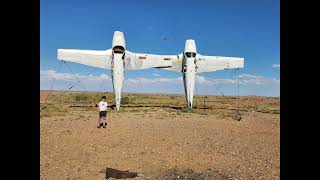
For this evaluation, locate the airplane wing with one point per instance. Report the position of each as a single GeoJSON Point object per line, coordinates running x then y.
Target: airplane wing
{"type": "Point", "coordinates": [142, 61]}
{"type": "Point", "coordinates": [215, 63]}
{"type": "Point", "coordinates": [100, 59]}
{"type": "Point", "coordinates": [176, 64]}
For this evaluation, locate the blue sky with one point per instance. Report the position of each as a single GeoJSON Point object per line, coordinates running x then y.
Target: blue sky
{"type": "Point", "coordinates": [249, 29]}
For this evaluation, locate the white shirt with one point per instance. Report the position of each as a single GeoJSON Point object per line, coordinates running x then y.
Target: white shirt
{"type": "Point", "coordinates": [103, 106]}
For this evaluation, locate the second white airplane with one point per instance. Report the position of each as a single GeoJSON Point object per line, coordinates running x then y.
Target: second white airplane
{"type": "Point", "coordinates": [118, 59]}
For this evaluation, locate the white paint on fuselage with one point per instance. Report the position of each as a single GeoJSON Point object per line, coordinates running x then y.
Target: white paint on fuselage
{"type": "Point", "coordinates": [118, 39]}
{"type": "Point", "coordinates": [117, 77]}
{"type": "Point", "coordinates": [118, 66]}
{"type": "Point", "coordinates": [189, 78]}
{"type": "Point", "coordinates": [189, 70]}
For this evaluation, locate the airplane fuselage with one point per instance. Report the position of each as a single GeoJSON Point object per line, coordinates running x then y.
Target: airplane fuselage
{"type": "Point", "coordinates": [118, 66]}
{"type": "Point", "coordinates": [117, 77]}
{"type": "Point", "coordinates": [189, 78]}
{"type": "Point", "coordinates": [189, 69]}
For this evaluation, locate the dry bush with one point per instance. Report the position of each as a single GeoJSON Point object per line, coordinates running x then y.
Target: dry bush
{"type": "Point", "coordinates": [81, 97]}
{"type": "Point", "coordinates": [171, 103]}
{"type": "Point", "coordinates": [54, 110]}
{"type": "Point", "coordinates": [125, 100]}
{"type": "Point", "coordinates": [187, 110]}
{"type": "Point", "coordinates": [223, 114]}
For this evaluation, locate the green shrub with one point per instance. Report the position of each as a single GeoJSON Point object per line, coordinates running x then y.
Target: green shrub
{"type": "Point", "coordinates": [125, 100]}
{"type": "Point", "coordinates": [186, 110]}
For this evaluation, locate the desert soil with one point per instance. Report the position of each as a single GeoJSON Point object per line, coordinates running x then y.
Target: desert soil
{"type": "Point", "coordinates": [159, 144]}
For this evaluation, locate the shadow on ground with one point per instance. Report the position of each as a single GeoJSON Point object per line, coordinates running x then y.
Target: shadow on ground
{"type": "Point", "coordinates": [118, 174]}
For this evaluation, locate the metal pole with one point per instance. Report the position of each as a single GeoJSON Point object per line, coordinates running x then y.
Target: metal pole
{"type": "Point", "coordinates": [204, 105]}
{"type": "Point", "coordinates": [238, 87]}
{"type": "Point", "coordinates": [197, 102]}
{"type": "Point", "coordinates": [255, 103]}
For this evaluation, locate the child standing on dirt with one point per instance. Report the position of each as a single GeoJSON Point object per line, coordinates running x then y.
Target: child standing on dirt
{"type": "Point", "coordinates": [103, 105]}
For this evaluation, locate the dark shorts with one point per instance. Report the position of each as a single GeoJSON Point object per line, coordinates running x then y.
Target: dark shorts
{"type": "Point", "coordinates": [102, 114]}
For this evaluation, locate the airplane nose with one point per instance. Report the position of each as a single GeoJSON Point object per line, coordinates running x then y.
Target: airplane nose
{"type": "Point", "coordinates": [189, 89]}
{"type": "Point", "coordinates": [190, 98]}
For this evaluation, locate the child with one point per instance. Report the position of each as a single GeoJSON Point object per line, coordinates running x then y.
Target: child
{"type": "Point", "coordinates": [103, 112]}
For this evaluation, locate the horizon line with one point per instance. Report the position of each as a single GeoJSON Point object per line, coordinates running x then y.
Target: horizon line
{"type": "Point", "coordinates": [111, 92]}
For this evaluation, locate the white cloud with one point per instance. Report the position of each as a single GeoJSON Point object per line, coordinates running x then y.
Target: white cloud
{"type": "Point", "coordinates": [275, 65]}
{"type": "Point", "coordinates": [249, 76]}
{"type": "Point", "coordinates": [157, 75]}
{"type": "Point", "coordinates": [244, 79]}
{"type": "Point", "coordinates": [64, 80]}
{"type": "Point", "coordinates": [154, 85]}
{"type": "Point", "coordinates": [51, 74]}
{"type": "Point", "coordinates": [224, 81]}
{"type": "Point", "coordinates": [202, 80]}
{"type": "Point", "coordinates": [257, 80]}
{"type": "Point", "coordinates": [145, 81]}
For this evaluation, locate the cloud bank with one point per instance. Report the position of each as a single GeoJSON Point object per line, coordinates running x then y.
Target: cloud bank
{"type": "Point", "coordinates": [275, 65]}
{"type": "Point", "coordinates": [249, 84]}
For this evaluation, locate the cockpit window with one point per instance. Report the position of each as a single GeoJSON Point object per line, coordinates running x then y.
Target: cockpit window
{"type": "Point", "coordinates": [118, 49]}
{"type": "Point", "coordinates": [190, 54]}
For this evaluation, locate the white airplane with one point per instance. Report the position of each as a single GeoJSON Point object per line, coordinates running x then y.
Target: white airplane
{"type": "Point", "coordinates": [191, 63]}
{"type": "Point", "coordinates": [118, 58]}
